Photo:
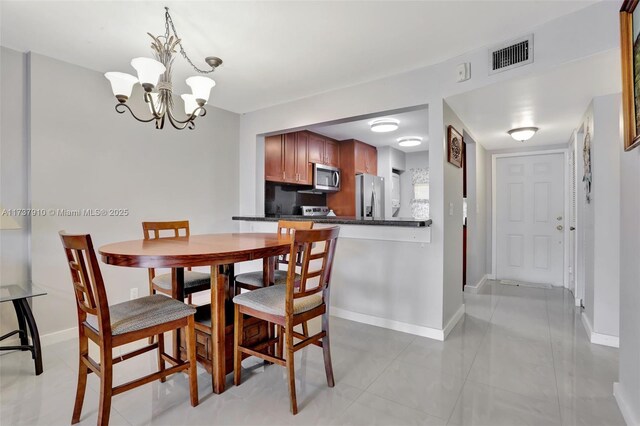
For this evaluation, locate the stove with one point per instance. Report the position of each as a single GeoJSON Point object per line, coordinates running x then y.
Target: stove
{"type": "Point", "coordinates": [314, 210]}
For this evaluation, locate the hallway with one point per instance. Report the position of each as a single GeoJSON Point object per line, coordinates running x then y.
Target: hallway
{"type": "Point", "coordinates": [520, 357]}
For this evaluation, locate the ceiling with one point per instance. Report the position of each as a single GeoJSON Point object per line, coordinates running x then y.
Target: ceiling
{"type": "Point", "coordinates": [412, 123]}
{"type": "Point", "coordinates": [273, 51]}
{"type": "Point", "coordinates": [554, 102]}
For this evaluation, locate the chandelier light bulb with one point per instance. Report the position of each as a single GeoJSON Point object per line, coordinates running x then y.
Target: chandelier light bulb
{"type": "Point", "coordinates": [522, 134]}
{"type": "Point", "coordinates": [201, 88]}
{"type": "Point", "coordinates": [190, 103]}
{"type": "Point", "coordinates": [121, 84]}
{"type": "Point", "coordinates": [149, 71]}
{"type": "Point", "coordinates": [384, 125]}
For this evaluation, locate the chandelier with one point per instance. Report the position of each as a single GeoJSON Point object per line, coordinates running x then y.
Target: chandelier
{"type": "Point", "coordinates": [155, 77]}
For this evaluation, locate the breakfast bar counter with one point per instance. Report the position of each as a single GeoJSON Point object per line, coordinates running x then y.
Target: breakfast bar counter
{"type": "Point", "coordinates": [380, 272]}
{"type": "Point", "coordinates": [342, 220]}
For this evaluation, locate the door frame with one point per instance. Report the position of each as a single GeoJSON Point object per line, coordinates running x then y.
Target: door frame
{"type": "Point", "coordinates": [494, 224]}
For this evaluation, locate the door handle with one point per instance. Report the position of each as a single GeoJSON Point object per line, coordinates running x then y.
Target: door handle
{"type": "Point", "coordinates": [559, 227]}
{"type": "Point", "coordinates": [572, 228]}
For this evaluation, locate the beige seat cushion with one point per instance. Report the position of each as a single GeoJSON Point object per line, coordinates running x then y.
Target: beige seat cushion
{"type": "Point", "coordinates": [192, 280]}
{"type": "Point", "coordinates": [142, 313]}
{"type": "Point", "coordinates": [254, 279]}
{"type": "Point", "coordinates": [271, 300]}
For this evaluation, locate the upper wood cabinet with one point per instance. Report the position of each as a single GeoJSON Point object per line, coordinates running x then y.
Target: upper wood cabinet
{"type": "Point", "coordinates": [303, 167]}
{"type": "Point", "coordinates": [366, 158]}
{"type": "Point", "coordinates": [273, 159]}
{"type": "Point", "coordinates": [332, 152]}
{"type": "Point", "coordinates": [316, 148]}
{"type": "Point", "coordinates": [287, 159]}
{"type": "Point", "coordinates": [355, 157]}
{"type": "Point", "coordinates": [323, 150]}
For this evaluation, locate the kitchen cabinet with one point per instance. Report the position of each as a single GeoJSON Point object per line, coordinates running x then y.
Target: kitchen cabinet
{"type": "Point", "coordinates": [355, 157]}
{"type": "Point", "coordinates": [273, 159]}
{"type": "Point", "coordinates": [323, 150]}
{"type": "Point", "coordinates": [366, 158]}
{"type": "Point", "coordinates": [287, 159]}
{"type": "Point", "coordinates": [303, 166]}
{"type": "Point", "coordinates": [332, 153]}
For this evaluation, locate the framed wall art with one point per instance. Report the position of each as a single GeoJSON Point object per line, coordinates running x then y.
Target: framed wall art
{"type": "Point", "coordinates": [630, 50]}
{"type": "Point", "coordinates": [454, 147]}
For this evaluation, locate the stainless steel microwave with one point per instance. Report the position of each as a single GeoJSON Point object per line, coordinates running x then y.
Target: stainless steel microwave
{"type": "Point", "coordinates": [326, 178]}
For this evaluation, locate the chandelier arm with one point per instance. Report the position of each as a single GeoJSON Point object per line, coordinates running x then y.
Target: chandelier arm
{"type": "Point", "coordinates": [148, 99]}
{"type": "Point", "coordinates": [198, 112]}
{"type": "Point", "coordinates": [121, 111]}
{"type": "Point", "coordinates": [181, 125]}
{"type": "Point", "coordinates": [169, 22]}
{"type": "Point", "coordinates": [160, 123]}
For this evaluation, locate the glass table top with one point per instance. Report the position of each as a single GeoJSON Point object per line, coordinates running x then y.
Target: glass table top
{"type": "Point", "coordinates": [16, 292]}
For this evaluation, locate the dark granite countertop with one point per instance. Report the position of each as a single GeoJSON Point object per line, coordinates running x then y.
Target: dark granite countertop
{"type": "Point", "coordinates": [343, 220]}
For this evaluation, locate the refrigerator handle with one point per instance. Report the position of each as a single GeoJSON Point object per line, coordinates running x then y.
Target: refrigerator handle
{"type": "Point", "coordinates": [374, 203]}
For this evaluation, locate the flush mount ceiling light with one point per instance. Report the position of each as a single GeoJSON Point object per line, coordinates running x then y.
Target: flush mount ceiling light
{"type": "Point", "coordinates": [410, 141]}
{"type": "Point", "coordinates": [155, 74]}
{"type": "Point", "coordinates": [383, 125]}
{"type": "Point", "coordinates": [522, 134]}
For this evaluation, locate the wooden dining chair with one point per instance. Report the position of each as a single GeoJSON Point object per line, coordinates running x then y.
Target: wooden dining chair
{"type": "Point", "coordinates": [119, 324]}
{"type": "Point", "coordinates": [289, 305]}
{"type": "Point", "coordinates": [193, 281]}
{"type": "Point", "coordinates": [254, 280]}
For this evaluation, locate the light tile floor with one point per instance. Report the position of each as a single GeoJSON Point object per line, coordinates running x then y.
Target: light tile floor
{"type": "Point", "coordinates": [520, 357]}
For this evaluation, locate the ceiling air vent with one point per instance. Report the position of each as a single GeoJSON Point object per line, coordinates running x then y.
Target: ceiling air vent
{"type": "Point", "coordinates": [511, 55]}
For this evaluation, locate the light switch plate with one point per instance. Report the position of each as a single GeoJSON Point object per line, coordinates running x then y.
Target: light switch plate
{"type": "Point", "coordinates": [463, 71]}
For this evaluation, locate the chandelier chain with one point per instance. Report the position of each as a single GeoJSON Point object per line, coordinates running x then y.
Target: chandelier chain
{"type": "Point", "coordinates": [169, 22]}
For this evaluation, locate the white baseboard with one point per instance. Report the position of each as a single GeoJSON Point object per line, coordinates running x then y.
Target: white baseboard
{"type": "Point", "coordinates": [48, 339]}
{"type": "Point", "coordinates": [599, 338]}
{"type": "Point", "coordinates": [59, 336]}
{"type": "Point", "coordinates": [491, 276]}
{"type": "Point", "coordinates": [476, 288]}
{"type": "Point", "coordinates": [454, 320]}
{"type": "Point", "coordinates": [419, 330]}
{"type": "Point", "coordinates": [626, 408]}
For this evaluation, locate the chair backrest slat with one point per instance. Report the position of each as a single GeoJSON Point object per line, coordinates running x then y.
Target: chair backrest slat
{"type": "Point", "coordinates": [175, 226]}
{"type": "Point", "coordinates": [156, 227]}
{"type": "Point", "coordinates": [88, 286]}
{"type": "Point", "coordinates": [286, 227]}
{"type": "Point", "coordinates": [304, 242]}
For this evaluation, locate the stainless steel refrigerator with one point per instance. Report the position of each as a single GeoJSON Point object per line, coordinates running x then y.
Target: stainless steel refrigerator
{"type": "Point", "coordinates": [369, 196]}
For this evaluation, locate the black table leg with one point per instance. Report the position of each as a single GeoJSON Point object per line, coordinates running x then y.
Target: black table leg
{"type": "Point", "coordinates": [22, 325]}
{"type": "Point", "coordinates": [35, 336]}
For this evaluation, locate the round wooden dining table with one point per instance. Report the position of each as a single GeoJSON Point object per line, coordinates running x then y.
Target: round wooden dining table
{"type": "Point", "coordinates": [216, 251]}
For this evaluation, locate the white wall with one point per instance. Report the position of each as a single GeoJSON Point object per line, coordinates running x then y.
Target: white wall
{"type": "Point", "coordinates": [413, 160]}
{"type": "Point", "coordinates": [14, 259]}
{"type": "Point", "coordinates": [599, 221]}
{"type": "Point", "coordinates": [477, 208]}
{"type": "Point", "coordinates": [85, 155]}
{"type": "Point", "coordinates": [384, 171]}
{"type": "Point", "coordinates": [606, 198]}
{"type": "Point", "coordinates": [627, 390]}
{"type": "Point", "coordinates": [453, 222]}
{"type": "Point", "coordinates": [593, 29]}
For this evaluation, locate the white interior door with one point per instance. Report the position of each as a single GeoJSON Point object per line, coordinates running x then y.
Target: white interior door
{"type": "Point", "coordinates": [530, 218]}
